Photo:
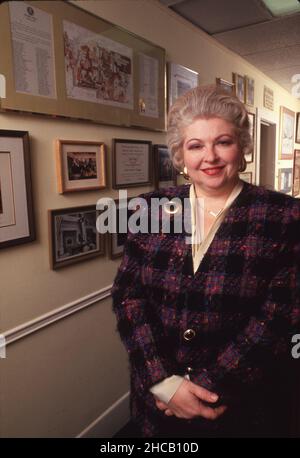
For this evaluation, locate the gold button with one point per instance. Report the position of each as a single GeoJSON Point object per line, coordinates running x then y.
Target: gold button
{"type": "Point", "coordinates": [189, 334]}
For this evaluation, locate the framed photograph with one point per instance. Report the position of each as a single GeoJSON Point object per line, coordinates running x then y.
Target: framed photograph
{"type": "Point", "coordinates": [73, 235]}
{"type": "Point", "coordinates": [239, 86]}
{"type": "Point", "coordinates": [268, 98]}
{"type": "Point", "coordinates": [226, 85]}
{"type": "Point", "coordinates": [164, 172]}
{"type": "Point", "coordinates": [131, 163]}
{"type": "Point", "coordinates": [16, 205]}
{"type": "Point", "coordinates": [297, 140]}
{"type": "Point", "coordinates": [285, 180]}
{"type": "Point", "coordinates": [251, 116]}
{"type": "Point", "coordinates": [286, 143]}
{"type": "Point", "coordinates": [80, 165]}
{"type": "Point", "coordinates": [87, 68]}
{"type": "Point", "coordinates": [246, 176]}
{"type": "Point", "coordinates": [249, 91]}
{"type": "Point", "coordinates": [296, 173]}
{"type": "Point", "coordinates": [180, 80]}
{"type": "Point", "coordinates": [118, 239]}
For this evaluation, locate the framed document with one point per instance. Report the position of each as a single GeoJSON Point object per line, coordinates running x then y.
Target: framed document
{"type": "Point", "coordinates": [80, 165]}
{"type": "Point", "coordinates": [180, 80]}
{"type": "Point", "coordinates": [132, 163]}
{"type": "Point", "coordinates": [164, 172]}
{"type": "Point", "coordinates": [81, 66]}
{"type": "Point", "coordinates": [16, 205]}
{"type": "Point", "coordinates": [286, 143]}
{"type": "Point", "coordinates": [73, 235]}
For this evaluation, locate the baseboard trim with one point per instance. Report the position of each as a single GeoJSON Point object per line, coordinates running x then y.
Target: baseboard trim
{"type": "Point", "coordinates": [29, 327]}
{"type": "Point", "coordinates": [110, 422]}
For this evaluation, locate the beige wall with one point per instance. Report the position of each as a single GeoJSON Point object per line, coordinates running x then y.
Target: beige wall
{"type": "Point", "coordinates": [60, 379]}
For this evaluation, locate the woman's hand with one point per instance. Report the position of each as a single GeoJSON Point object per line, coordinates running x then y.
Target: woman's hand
{"type": "Point", "coordinates": [187, 403]}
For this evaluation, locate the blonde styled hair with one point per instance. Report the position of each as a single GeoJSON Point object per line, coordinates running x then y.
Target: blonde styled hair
{"type": "Point", "coordinates": [206, 102]}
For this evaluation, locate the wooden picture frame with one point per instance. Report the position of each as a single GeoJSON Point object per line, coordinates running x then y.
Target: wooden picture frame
{"type": "Point", "coordinates": [80, 165]}
{"type": "Point", "coordinates": [249, 90]}
{"type": "Point", "coordinates": [297, 139]}
{"type": "Point", "coordinates": [296, 173]}
{"type": "Point", "coordinates": [180, 80]}
{"type": "Point", "coordinates": [132, 163]}
{"type": "Point", "coordinates": [92, 69]}
{"type": "Point", "coordinates": [16, 202]}
{"type": "Point", "coordinates": [226, 85]}
{"type": "Point", "coordinates": [73, 235]}
{"type": "Point", "coordinates": [239, 86]}
{"type": "Point", "coordinates": [164, 172]}
{"type": "Point", "coordinates": [285, 180]}
{"type": "Point", "coordinates": [287, 125]}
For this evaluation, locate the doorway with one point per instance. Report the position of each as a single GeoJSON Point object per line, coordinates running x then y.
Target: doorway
{"type": "Point", "coordinates": [267, 154]}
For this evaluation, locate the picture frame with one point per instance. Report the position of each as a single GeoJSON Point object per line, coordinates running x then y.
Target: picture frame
{"type": "Point", "coordinates": [249, 90]}
{"type": "Point", "coordinates": [246, 176]}
{"type": "Point", "coordinates": [226, 85]}
{"type": "Point", "coordinates": [164, 172]}
{"type": "Point", "coordinates": [92, 69]}
{"type": "Point", "coordinates": [296, 173]}
{"type": "Point", "coordinates": [239, 86]}
{"type": "Point", "coordinates": [252, 120]}
{"type": "Point", "coordinates": [132, 163]}
{"type": "Point", "coordinates": [285, 180]}
{"type": "Point", "coordinates": [180, 80]}
{"type": "Point", "coordinates": [80, 165]}
{"type": "Point", "coordinates": [17, 224]}
{"type": "Point", "coordinates": [73, 236]}
{"type": "Point", "coordinates": [268, 98]}
{"type": "Point", "coordinates": [287, 125]}
{"type": "Point", "coordinates": [116, 241]}
{"type": "Point", "coordinates": [297, 139]}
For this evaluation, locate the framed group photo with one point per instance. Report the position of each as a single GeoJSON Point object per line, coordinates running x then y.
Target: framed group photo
{"type": "Point", "coordinates": [165, 174]}
{"type": "Point", "coordinates": [80, 165]}
{"type": "Point", "coordinates": [131, 163]}
{"type": "Point", "coordinates": [73, 235]}
{"type": "Point", "coordinates": [16, 204]}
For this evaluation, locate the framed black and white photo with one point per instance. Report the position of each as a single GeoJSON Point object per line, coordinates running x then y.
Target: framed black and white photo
{"type": "Point", "coordinates": [165, 174]}
{"type": "Point", "coordinates": [16, 205]}
{"type": "Point", "coordinates": [73, 235]}
{"type": "Point", "coordinates": [285, 180]}
{"type": "Point", "coordinates": [131, 163]}
{"type": "Point", "coordinates": [287, 125]}
{"type": "Point", "coordinates": [180, 80]}
{"type": "Point", "coordinates": [80, 165]}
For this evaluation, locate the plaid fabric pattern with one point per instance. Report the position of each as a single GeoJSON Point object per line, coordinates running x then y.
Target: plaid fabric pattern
{"type": "Point", "coordinates": [243, 302]}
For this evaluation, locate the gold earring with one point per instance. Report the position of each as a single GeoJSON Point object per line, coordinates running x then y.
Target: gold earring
{"type": "Point", "coordinates": [185, 174]}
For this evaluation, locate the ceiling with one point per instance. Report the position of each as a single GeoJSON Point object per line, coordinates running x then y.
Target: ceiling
{"type": "Point", "coordinates": [249, 29]}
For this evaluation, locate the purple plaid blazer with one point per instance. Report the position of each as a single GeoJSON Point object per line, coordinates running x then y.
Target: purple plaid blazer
{"type": "Point", "coordinates": [242, 304]}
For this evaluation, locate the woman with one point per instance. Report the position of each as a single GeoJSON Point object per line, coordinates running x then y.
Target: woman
{"type": "Point", "coordinates": [208, 324]}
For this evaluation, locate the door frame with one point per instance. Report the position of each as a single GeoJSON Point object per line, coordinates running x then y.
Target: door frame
{"type": "Point", "coordinates": [264, 115]}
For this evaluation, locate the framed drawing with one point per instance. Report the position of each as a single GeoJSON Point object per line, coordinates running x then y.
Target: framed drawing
{"type": "Point", "coordinates": [80, 165]}
{"type": "Point", "coordinates": [180, 80]}
{"type": "Point", "coordinates": [249, 91]}
{"type": "Point", "coordinates": [131, 163]}
{"type": "Point", "coordinates": [246, 176]}
{"type": "Point", "coordinates": [297, 140]}
{"type": "Point", "coordinates": [73, 235]}
{"type": "Point", "coordinates": [226, 85]}
{"type": "Point", "coordinates": [16, 205]}
{"type": "Point", "coordinates": [87, 68]}
{"type": "Point", "coordinates": [239, 86]}
{"type": "Point", "coordinates": [286, 143]}
{"type": "Point", "coordinates": [164, 172]}
{"type": "Point", "coordinates": [285, 180]}
{"type": "Point", "coordinates": [296, 173]}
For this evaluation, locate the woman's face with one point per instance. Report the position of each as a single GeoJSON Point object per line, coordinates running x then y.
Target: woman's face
{"type": "Point", "coordinates": [212, 154]}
